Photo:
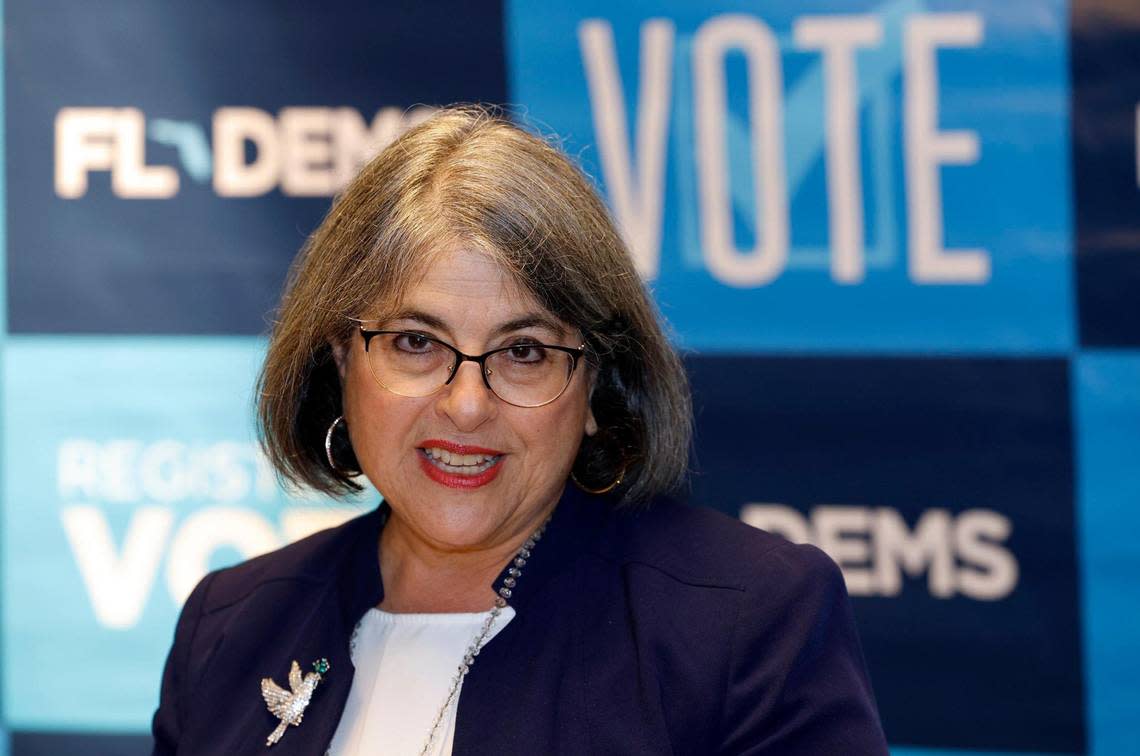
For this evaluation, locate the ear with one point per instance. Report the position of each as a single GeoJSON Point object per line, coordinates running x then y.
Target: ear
{"type": "Point", "coordinates": [591, 422]}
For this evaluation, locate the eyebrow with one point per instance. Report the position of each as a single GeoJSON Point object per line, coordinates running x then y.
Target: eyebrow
{"type": "Point", "coordinates": [529, 320]}
{"type": "Point", "coordinates": [420, 317]}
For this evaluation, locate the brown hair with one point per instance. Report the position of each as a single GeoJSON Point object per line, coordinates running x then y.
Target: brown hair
{"type": "Point", "coordinates": [469, 175]}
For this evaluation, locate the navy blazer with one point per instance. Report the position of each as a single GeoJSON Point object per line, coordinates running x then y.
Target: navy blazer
{"type": "Point", "coordinates": [672, 630]}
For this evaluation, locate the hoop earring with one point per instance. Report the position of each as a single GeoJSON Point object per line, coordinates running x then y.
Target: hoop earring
{"type": "Point", "coordinates": [328, 449]}
{"type": "Point", "coordinates": [599, 491]}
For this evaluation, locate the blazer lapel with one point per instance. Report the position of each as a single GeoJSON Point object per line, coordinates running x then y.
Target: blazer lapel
{"type": "Point", "coordinates": [324, 636]}
{"type": "Point", "coordinates": [327, 634]}
{"type": "Point", "coordinates": [310, 620]}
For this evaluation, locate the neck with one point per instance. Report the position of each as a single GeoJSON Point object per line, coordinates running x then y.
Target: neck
{"type": "Point", "coordinates": [422, 579]}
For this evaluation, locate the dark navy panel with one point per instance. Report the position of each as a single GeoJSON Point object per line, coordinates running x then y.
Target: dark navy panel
{"type": "Point", "coordinates": [1105, 61]}
{"type": "Point", "coordinates": [899, 439]}
{"type": "Point", "coordinates": [197, 262]}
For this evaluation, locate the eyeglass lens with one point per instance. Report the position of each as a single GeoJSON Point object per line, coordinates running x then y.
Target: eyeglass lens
{"type": "Point", "coordinates": [527, 375]}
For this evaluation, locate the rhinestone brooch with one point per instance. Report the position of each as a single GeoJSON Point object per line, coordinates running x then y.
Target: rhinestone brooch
{"type": "Point", "coordinates": [289, 705]}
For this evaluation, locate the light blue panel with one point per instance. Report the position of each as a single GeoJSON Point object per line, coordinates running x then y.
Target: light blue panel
{"type": "Point", "coordinates": [1108, 465]}
{"type": "Point", "coordinates": [3, 202]}
{"type": "Point", "coordinates": [943, 752]}
{"type": "Point", "coordinates": [3, 339]}
{"type": "Point", "coordinates": [131, 467]}
{"type": "Point", "coordinates": [1014, 203]}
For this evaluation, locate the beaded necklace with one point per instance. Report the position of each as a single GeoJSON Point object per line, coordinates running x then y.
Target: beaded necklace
{"type": "Point", "coordinates": [480, 639]}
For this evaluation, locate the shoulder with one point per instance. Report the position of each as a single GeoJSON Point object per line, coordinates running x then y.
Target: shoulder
{"type": "Point", "coordinates": [696, 544]}
{"type": "Point", "coordinates": [310, 560]}
{"type": "Point", "coordinates": [793, 674]}
{"type": "Point", "coordinates": [764, 625]}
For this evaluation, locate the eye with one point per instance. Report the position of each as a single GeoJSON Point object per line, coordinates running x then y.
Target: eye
{"type": "Point", "coordinates": [527, 353]}
{"type": "Point", "coordinates": [413, 343]}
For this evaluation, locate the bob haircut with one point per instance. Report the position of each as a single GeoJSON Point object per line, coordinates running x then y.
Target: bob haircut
{"type": "Point", "coordinates": [469, 176]}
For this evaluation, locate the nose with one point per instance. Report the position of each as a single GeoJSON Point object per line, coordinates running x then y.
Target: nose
{"type": "Point", "coordinates": [467, 401]}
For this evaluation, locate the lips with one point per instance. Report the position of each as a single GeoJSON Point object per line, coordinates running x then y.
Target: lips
{"type": "Point", "coordinates": [458, 465]}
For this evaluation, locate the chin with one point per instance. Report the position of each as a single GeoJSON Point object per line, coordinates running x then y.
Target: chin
{"type": "Point", "coordinates": [461, 534]}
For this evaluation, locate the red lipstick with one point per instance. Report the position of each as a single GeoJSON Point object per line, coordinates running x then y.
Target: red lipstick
{"type": "Point", "coordinates": [454, 448]}
{"type": "Point", "coordinates": [458, 479]}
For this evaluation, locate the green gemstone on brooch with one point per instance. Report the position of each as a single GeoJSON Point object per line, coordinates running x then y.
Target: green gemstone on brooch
{"type": "Point", "coordinates": [321, 666]}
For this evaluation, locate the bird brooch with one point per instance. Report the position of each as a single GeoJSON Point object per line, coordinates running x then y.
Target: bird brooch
{"type": "Point", "coordinates": [289, 705]}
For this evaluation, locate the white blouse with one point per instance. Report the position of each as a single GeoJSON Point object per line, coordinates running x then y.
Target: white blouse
{"type": "Point", "coordinates": [404, 667]}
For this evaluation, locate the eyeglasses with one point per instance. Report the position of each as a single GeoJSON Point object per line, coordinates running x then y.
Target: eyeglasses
{"type": "Point", "coordinates": [526, 374]}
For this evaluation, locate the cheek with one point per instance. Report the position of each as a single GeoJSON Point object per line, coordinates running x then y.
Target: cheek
{"type": "Point", "coordinates": [355, 401]}
{"type": "Point", "coordinates": [560, 433]}
{"type": "Point", "coordinates": [376, 421]}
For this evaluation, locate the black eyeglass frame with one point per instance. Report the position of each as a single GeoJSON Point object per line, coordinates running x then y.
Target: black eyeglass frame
{"type": "Point", "coordinates": [576, 354]}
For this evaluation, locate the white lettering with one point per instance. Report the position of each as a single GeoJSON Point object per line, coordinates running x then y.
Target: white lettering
{"type": "Point", "coordinates": [959, 554]}
{"type": "Point", "coordinates": [208, 530]}
{"type": "Point", "coordinates": [84, 141]}
{"type": "Point", "coordinates": [107, 139]}
{"type": "Point", "coordinates": [160, 473]}
{"type": "Point", "coordinates": [928, 549]}
{"type": "Point", "coordinates": [991, 572]}
{"type": "Point", "coordinates": [637, 203]}
{"type": "Point", "coordinates": [306, 137]}
{"type": "Point", "coordinates": [117, 584]}
{"type": "Point", "coordinates": [712, 41]}
{"type": "Point", "coordinates": [228, 473]}
{"type": "Point", "coordinates": [165, 470]}
{"type": "Point", "coordinates": [117, 479]}
{"type": "Point", "coordinates": [310, 151]}
{"type": "Point", "coordinates": [927, 148]}
{"type": "Point", "coordinates": [837, 37]}
{"type": "Point", "coordinates": [233, 127]}
{"type": "Point", "coordinates": [77, 469]}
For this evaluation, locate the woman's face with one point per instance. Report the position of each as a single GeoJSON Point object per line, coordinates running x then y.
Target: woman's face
{"type": "Point", "coordinates": [468, 301]}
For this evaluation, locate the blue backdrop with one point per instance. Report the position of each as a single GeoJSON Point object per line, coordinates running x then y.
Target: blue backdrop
{"type": "Point", "coordinates": [897, 242]}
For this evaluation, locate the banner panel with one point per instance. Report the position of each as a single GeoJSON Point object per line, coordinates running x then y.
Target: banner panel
{"type": "Point", "coordinates": [1108, 411]}
{"type": "Point", "coordinates": [944, 489]}
{"type": "Point", "coordinates": [172, 159]}
{"type": "Point", "coordinates": [131, 469]}
{"type": "Point", "coordinates": [859, 216]}
{"type": "Point", "coordinates": [858, 175]}
{"type": "Point", "coordinates": [1106, 169]}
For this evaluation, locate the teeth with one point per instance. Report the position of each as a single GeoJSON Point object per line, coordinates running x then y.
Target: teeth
{"type": "Point", "coordinates": [465, 462]}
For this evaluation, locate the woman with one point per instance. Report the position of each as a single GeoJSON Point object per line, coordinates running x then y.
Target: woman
{"type": "Point", "coordinates": [467, 331]}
